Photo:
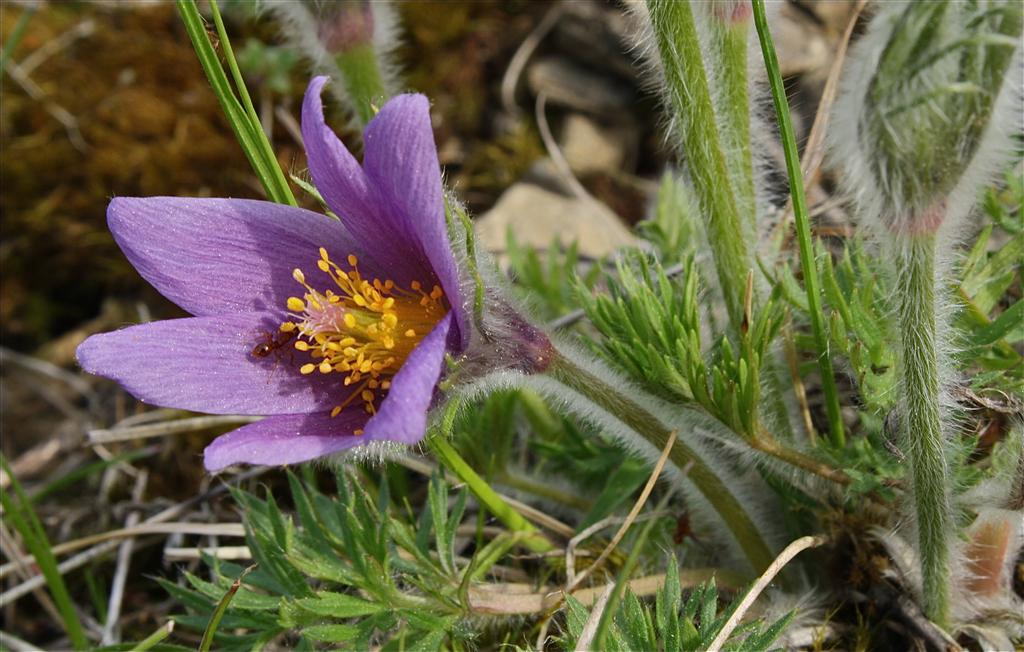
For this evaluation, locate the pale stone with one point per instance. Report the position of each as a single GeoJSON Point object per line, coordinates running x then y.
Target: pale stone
{"type": "Point", "coordinates": [538, 216]}
{"type": "Point", "coordinates": [592, 147]}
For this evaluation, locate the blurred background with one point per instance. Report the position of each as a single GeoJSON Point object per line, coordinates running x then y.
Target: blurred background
{"type": "Point", "coordinates": [104, 99]}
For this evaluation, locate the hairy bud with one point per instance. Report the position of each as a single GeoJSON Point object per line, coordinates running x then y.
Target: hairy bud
{"type": "Point", "coordinates": [928, 99]}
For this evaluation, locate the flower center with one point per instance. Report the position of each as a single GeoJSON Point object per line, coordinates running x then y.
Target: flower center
{"type": "Point", "coordinates": [361, 329]}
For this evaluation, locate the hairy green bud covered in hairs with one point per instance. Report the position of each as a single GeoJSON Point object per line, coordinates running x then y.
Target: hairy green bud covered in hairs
{"type": "Point", "coordinates": [923, 108]}
{"type": "Point", "coordinates": [350, 41]}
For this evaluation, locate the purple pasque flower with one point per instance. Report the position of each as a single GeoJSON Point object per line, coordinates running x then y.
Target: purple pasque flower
{"type": "Point", "coordinates": [337, 330]}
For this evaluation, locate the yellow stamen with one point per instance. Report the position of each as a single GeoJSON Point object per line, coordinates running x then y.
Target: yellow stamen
{"type": "Point", "coordinates": [362, 329]}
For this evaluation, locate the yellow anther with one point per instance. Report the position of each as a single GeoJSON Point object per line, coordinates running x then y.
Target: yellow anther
{"type": "Point", "coordinates": [357, 432]}
{"type": "Point", "coordinates": [352, 328]}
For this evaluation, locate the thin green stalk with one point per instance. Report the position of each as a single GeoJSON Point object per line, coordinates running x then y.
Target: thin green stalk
{"type": "Point", "coordinates": [649, 427]}
{"type": "Point", "coordinates": [803, 229]}
{"type": "Point", "coordinates": [925, 445]}
{"type": "Point", "coordinates": [363, 80]}
{"type": "Point", "coordinates": [690, 98]}
{"type": "Point", "coordinates": [22, 517]}
{"type": "Point", "coordinates": [15, 37]}
{"type": "Point", "coordinates": [248, 131]}
{"type": "Point", "coordinates": [452, 461]}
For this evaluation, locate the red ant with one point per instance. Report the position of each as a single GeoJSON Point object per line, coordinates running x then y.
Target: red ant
{"type": "Point", "coordinates": [273, 342]}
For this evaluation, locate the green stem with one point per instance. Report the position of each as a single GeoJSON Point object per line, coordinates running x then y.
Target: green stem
{"type": "Point", "coordinates": [925, 445]}
{"type": "Point", "coordinates": [803, 229]}
{"type": "Point", "coordinates": [690, 98]}
{"type": "Point", "coordinates": [656, 433]}
{"type": "Point", "coordinates": [512, 519]}
{"type": "Point", "coordinates": [363, 80]}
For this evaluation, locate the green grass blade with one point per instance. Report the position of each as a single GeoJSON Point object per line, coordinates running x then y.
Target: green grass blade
{"type": "Point", "coordinates": [803, 228]}
{"type": "Point", "coordinates": [19, 513]}
{"type": "Point", "coordinates": [259, 136]}
{"type": "Point", "coordinates": [249, 135]}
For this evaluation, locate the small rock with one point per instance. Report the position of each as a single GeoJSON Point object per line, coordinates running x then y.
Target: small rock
{"type": "Point", "coordinates": [538, 216]}
{"type": "Point", "coordinates": [592, 147]}
{"type": "Point", "coordinates": [571, 85]}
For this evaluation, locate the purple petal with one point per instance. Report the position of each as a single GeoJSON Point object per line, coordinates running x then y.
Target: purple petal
{"type": "Point", "coordinates": [401, 163]}
{"type": "Point", "coordinates": [212, 256]}
{"type": "Point", "coordinates": [205, 364]}
{"type": "Point", "coordinates": [403, 413]}
{"type": "Point", "coordinates": [286, 439]}
{"type": "Point", "coordinates": [346, 189]}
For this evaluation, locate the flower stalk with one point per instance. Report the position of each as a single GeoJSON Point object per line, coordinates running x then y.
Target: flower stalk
{"type": "Point", "coordinates": [363, 80]}
{"type": "Point", "coordinates": [690, 100]}
{"type": "Point", "coordinates": [730, 26]}
{"type": "Point", "coordinates": [602, 396]}
{"type": "Point", "coordinates": [924, 442]}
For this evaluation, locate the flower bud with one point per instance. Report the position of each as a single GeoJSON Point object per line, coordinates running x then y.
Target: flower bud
{"type": "Point", "coordinates": [927, 102]}
{"type": "Point", "coordinates": [342, 26]}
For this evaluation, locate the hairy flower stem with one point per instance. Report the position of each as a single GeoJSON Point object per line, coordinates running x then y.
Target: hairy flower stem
{"type": "Point", "coordinates": [690, 100]}
{"type": "Point", "coordinates": [731, 33]}
{"type": "Point", "coordinates": [363, 80]}
{"type": "Point", "coordinates": [924, 443]}
{"type": "Point", "coordinates": [619, 407]}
